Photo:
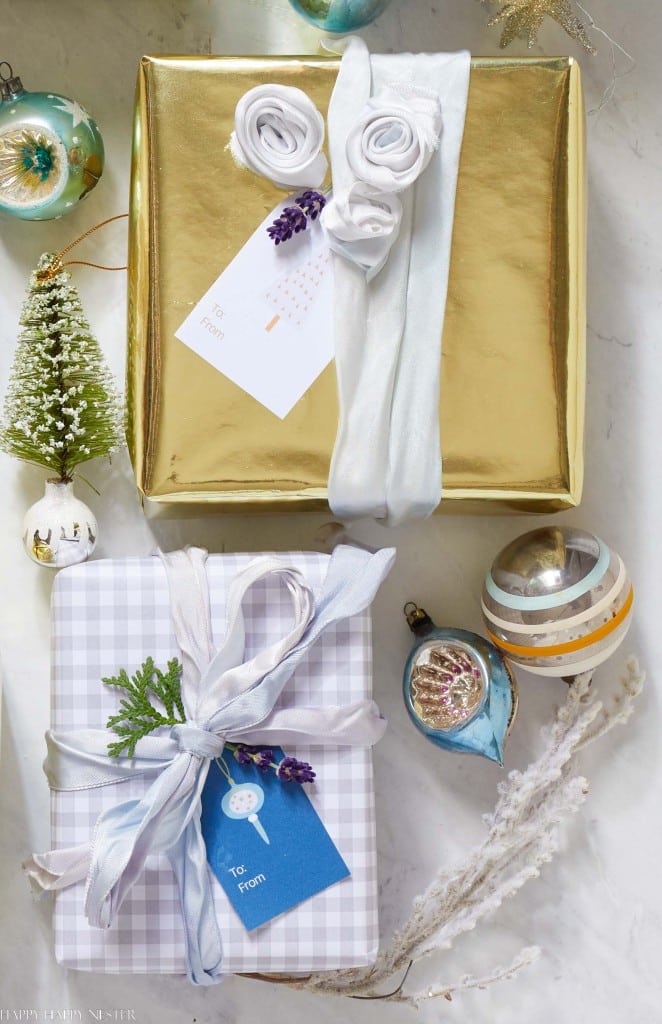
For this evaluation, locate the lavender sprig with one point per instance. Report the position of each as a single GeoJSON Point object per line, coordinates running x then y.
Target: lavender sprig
{"type": "Point", "coordinates": [291, 221]}
{"type": "Point", "coordinates": [312, 203]}
{"type": "Point", "coordinates": [294, 219]}
{"type": "Point", "coordinates": [287, 770]}
{"type": "Point", "coordinates": [291, 770]}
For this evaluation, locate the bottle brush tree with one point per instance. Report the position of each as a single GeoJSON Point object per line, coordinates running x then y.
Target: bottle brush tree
{"type": "Point", "coordinates": [61, 406]}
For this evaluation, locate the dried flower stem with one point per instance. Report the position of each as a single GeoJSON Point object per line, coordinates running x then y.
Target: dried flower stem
{"type": "Point", "coordinates": [524, 958]}
{"type": "Point", "coordinates": [523, 834]}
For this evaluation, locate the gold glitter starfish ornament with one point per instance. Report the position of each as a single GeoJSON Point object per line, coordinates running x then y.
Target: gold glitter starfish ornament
{"type": "Point", "coordinates": [523, 18]}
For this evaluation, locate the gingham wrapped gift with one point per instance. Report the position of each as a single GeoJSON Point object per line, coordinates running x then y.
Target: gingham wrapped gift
{"type": "Point", "coordinates": [112, 614]}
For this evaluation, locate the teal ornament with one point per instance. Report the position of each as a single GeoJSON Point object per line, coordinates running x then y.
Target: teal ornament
{"type": "Point", "coordinates": [51, 151]}
{"type": "Point", "coordinates": [339, 15]}
{"type": "Point", "coordinates": [458, 689]}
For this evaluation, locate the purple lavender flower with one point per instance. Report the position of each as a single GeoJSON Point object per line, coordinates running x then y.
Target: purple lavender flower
{"type": "Point", "coordinates": [291, 221]}
{"type": "Point", "coordinates": [312, 203]}
{"type": "Point", "coordinates": [294, 219]}
{"type": "Point", "coordinates": [243, 754]}
{"type": "Point", "coordinates": [264, 760]}
{"type": "Point", "coordinates": [291, 770]}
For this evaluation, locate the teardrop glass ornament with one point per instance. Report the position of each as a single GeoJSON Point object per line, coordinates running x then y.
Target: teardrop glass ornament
{"type": "Point", "coordinates": [458, 689]}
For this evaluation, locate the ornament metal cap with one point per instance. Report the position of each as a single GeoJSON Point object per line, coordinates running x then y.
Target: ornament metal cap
{"type": "Point", "coordinates": [10, 85]}
{"type": "Point", "coordinates": [418, 619]}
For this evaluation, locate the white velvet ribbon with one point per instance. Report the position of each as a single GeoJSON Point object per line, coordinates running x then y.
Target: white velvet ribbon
{"type": "Point", "coordinates": [387, 457]}
{"type": "Point", "coordinates": [225, 698]}
{"type": "Point", "coordinates": [279, 133]}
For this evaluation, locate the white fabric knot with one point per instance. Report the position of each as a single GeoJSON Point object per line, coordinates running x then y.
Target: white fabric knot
{"type": "Point", "coordinates": [279, 133]}
{"type": "Point", "coordinates": [191, 739]}
{"type": "Point", "coordinates": [361, 225]}
{"type": "Point", "coordinates": [394, 137]}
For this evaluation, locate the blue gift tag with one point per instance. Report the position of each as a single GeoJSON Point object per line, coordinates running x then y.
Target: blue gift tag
{"type": "Point", "coordinates": [265, 841]}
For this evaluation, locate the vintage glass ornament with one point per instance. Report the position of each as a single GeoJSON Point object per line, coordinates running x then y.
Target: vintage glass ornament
{"type": "Point", "coordinates": [340, 15]}
{"type": "Point", "coordinates": [59, 529]}
{"type": "Point", "coordinates": [557, 601]}
{"type": "Point", "coordinates": [51, 151]}
{"type": "Point", "coordinates": [458, 689]}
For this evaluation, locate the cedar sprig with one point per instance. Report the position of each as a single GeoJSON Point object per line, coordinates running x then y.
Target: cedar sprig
{"type": "Point", "coordinates": [138, 716]}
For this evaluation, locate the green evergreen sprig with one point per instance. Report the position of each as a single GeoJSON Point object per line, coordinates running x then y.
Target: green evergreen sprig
{"type": "Point", "coordinates": [138, 716]}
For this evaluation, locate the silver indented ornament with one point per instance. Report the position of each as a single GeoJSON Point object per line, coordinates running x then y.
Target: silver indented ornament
{"type": "Point", "coordinates": [557, 601]}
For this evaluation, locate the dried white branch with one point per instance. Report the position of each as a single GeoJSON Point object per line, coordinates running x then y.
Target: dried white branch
{"type": "Point", "coordinates": [523, 834]}
{"type": "Point", "coordinates": [524, 958]}
{"type": "Point", "coordinates": [610, 88]}
{"type": "Point", "coordinates": [620, 706]}
{"type": "Point", "coordinates": [535, 846]}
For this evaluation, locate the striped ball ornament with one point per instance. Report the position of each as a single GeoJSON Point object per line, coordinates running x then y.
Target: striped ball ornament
{"type": "Point", "coordinates": [557, 601]}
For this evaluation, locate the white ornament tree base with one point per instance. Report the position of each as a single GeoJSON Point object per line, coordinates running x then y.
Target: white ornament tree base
{"type": "Point", "coordinates": [59, 529]}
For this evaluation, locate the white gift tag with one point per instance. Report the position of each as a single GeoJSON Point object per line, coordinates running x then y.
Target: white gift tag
{"type": "Point", "coordinates": [267, 321]}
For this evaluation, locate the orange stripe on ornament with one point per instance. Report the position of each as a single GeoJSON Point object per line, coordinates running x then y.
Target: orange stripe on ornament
{"type": "Point", "coordinates": [572, 645]}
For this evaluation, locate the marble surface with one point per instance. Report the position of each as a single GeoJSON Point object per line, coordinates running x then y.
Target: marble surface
{"type": "Point", "coordinates": [597, 909]}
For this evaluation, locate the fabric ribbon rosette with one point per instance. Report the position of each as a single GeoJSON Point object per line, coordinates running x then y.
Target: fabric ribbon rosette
{"type": "Point", "coordinates": [387, 149]}
{"type": "Point", "coordinates": [225, 699]}
{"type": "Point", "coordinates": [389, 222]}
{"type": "Point", "coordinates": [279, 133]}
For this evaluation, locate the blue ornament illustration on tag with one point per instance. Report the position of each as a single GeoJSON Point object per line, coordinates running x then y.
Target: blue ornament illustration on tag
{"type": "Point", "coordinates": [458, 689]}
{"type": "Point", "coordinates": [244, 800]}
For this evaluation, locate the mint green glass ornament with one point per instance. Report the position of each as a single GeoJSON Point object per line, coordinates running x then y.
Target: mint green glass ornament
{"type": "Point", "coordinates": [51, 151]}
{"type": "Point", "coordinates": [339, 15]}
{"type": "Point", "coordinates": [458, 689]}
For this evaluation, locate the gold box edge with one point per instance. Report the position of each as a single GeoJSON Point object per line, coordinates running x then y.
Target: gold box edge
{"type": "Point", "coordinates": [577, 237]}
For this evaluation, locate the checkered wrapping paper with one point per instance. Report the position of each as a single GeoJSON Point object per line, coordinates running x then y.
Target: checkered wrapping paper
{"type": "Point", "coordinates": [108, 615]}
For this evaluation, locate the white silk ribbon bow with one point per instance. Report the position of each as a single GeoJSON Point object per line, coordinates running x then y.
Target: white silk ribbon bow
{"type": "Point", "coordinates": [279, 133]}
{"type": "Point", "coordinates": [225, 698]}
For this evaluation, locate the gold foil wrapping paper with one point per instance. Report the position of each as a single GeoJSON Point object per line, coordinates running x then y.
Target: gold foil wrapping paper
{"type": "Point", "coordinates": [513, 355]}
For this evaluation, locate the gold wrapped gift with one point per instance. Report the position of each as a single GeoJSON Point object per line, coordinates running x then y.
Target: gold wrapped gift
{"type": "Point", "coordinates": [513, 363]}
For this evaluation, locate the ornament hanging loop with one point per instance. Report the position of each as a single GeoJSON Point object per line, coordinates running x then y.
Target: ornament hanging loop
{"type": "Point", "coordinates": [57, 263]}
{"type": "Point", "coordinates": [10, 85]}
{"type": "Point", "coordinates": [417, 618]}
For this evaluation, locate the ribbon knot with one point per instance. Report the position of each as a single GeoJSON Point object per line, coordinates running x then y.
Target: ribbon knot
{"type": "Point", "coordinates": [191, 739]}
